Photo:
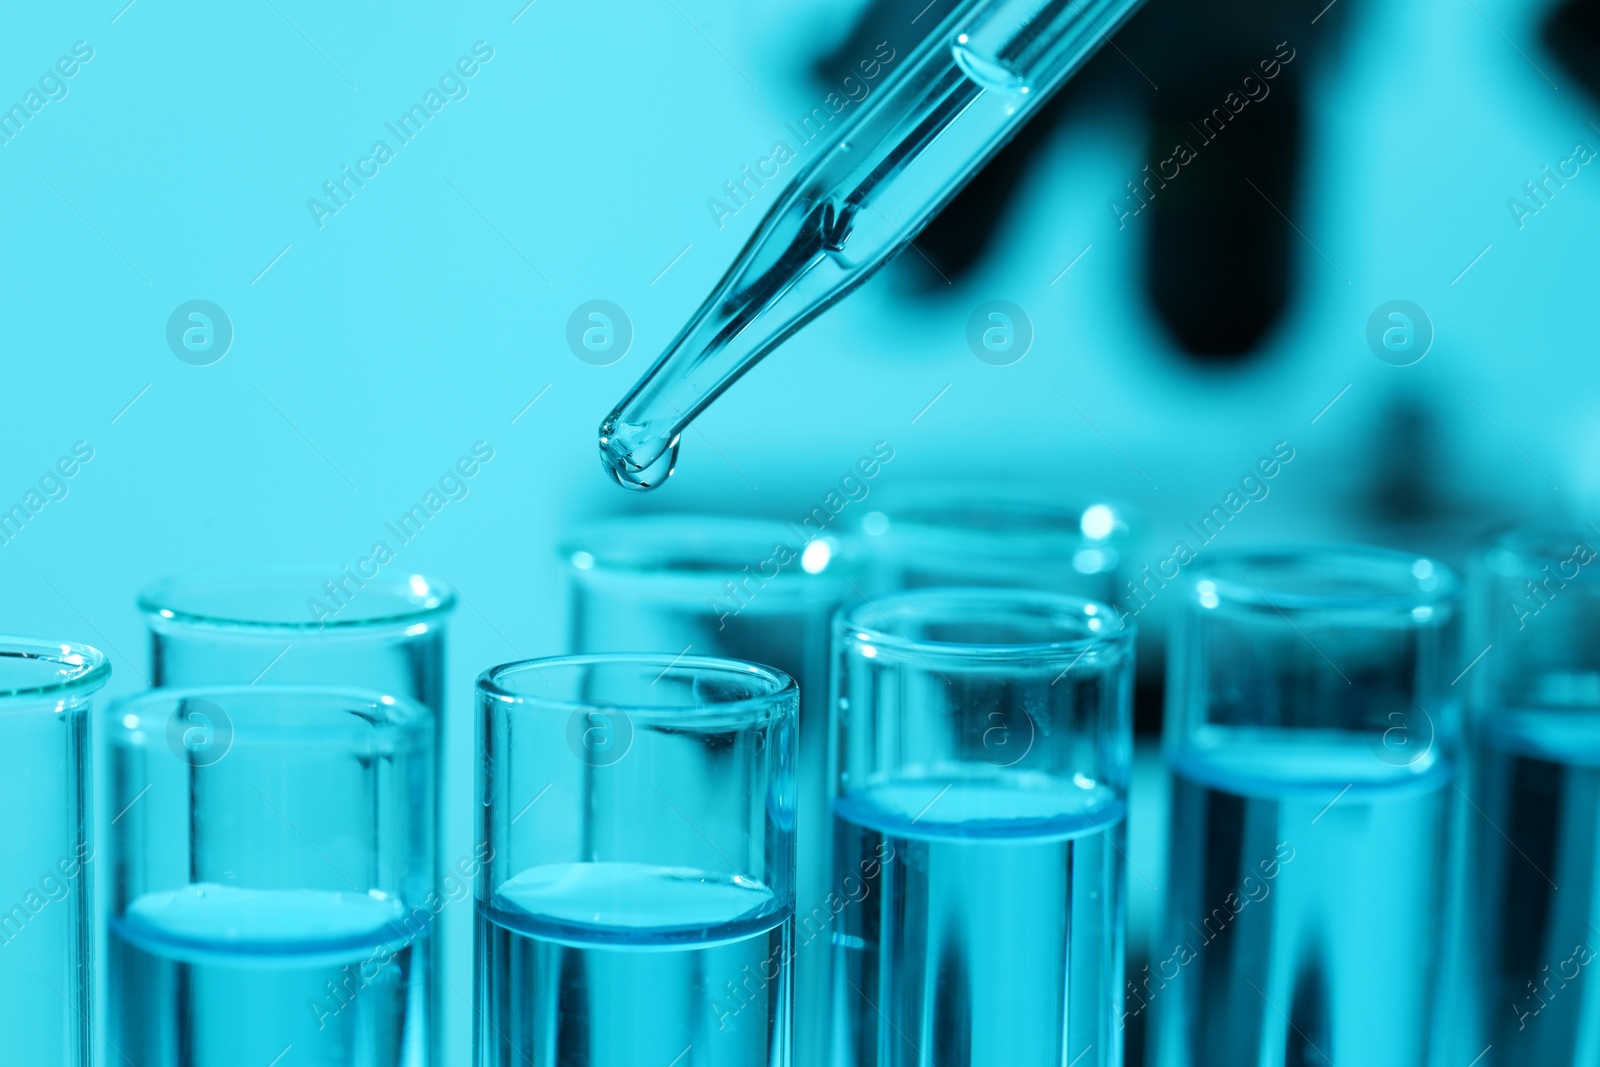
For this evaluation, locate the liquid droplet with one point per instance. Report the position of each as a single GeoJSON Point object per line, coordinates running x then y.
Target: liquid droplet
{"type": "Point", "coordinates": [632, 468]}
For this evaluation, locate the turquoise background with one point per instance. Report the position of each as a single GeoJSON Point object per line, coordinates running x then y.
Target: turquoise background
{"type": "Point", "coordinates": [371, 352]}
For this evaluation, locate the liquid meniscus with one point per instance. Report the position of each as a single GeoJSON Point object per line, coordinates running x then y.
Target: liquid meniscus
{"type": "Point", "coordinates": [217, 976]}
{"type": "Point", "coordinates": [621, 964]}
{"type": "Point", "coordinates": [986, 929]}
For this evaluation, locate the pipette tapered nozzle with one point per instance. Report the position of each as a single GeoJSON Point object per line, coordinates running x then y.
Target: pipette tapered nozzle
{"type": "Point", "coordinates": [959, 97]}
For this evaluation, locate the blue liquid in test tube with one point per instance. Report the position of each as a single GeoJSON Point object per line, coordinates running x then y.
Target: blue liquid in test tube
{"type": "Point", "coordinates": [746, 589]}
{"type": "Point", "coordinates": [986, 914]}
{"type": "Point", "coordinates": [637, 906]}
{"type": "Point", "coordinates": [1312, 742]}
{"type": "Point", "coordinates": [272, 859]}
{"type": "Point", "coordinates": [982, 748]}
{"type": "Point", "coordinates": [655, 980]}
{"type": "Point", "coordinates": [1532, 882]}
{"type": "Point", "coordinates": [325, 974]}
{"type": "Point", "coordinates": [1293, 858]}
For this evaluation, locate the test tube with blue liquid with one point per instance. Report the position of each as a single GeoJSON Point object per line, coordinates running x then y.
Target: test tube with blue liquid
{"type": "Point", "coordinates": [1311, 732]}
{"type": "Point", "coordinates": [637, 900]}
{"type": "Point", "coordinates": [757, 590]}
{"type": "Point", "coordinates": [298, 625]}
{"type": "Point", "coordinates": [982, 743]}
{"type": "Point", "coordinates": [1530, 996]}
{"type": "Point", "coordinates": [46, 856]}
{"type": "Point", "coordinates": [271, 884]}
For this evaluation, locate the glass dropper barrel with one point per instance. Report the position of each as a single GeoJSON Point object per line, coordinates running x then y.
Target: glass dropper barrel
{"type": "Point", "coordinates": [961, 96]}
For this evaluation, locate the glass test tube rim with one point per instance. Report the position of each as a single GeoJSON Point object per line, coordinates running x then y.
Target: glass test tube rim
{"type": "Point", "coordinates": [399, 715]}
{"type": "Point", "coordinates": [777, 701]}
{"type": "Point", "coordinates": [1528, 556]}
{"type": "Point", "coordinates": [1239, 580]}
{"type": "Point", "coordinates": [1030, 516]}
{"type": "Point", "coordinates": [1522, 549]}
{"type": "Point", "coordinates": [81, 670]}
{"type": "Point", "coordinates": [165, 603]}
{"type": "Point", "coordinates": [650, 552]}
{"type": "Point", "coordinates": [1092, 631]}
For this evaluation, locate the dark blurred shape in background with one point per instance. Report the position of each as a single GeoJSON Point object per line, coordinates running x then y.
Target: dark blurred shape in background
{"type": "Point", "coordinates": [1218, 262]}
{"type": "Point", "coordinates": [1572, 34]}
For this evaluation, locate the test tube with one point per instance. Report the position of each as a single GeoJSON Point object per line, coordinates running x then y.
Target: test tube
{"type": "Point", "coordinates": [272, 894]}
{"type": "Point", "coordinates": [293, 625]}
{"type": "Point", "coordinates": [296, 625]}
{"type": "Point", "coordinates": [941, 534]}
{"type": "Point", "coordinates": [46, 943]}
{"type": "Point", "coordinates": [1311, 733]}
{"type": "Point", "coordinates": [1534, 769]}
{"type": "Point", "coordinates": [637, 900]}
{"type": "Point", "coordinates": [748, 589]}
{"type": "Point", "coordinates": [982, 743]}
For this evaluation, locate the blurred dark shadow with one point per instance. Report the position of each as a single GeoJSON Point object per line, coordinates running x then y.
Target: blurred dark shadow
{"type": "Point", "coordinates": [1219, 252]}
{"type": "Point", "coordinates": [1572, 33]}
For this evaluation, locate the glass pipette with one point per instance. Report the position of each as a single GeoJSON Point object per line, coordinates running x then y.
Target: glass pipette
{"type": "Point", "coordinates": [963, 92]}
